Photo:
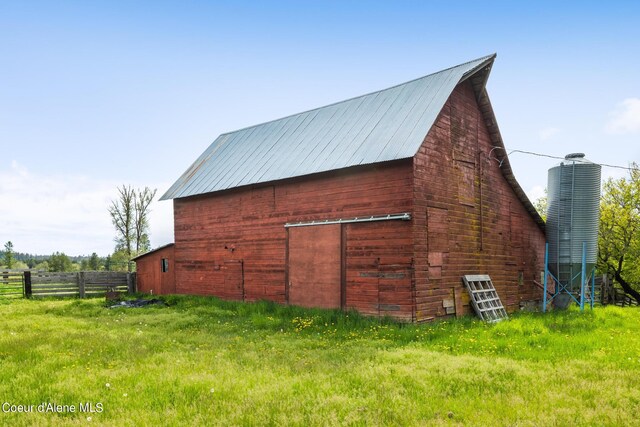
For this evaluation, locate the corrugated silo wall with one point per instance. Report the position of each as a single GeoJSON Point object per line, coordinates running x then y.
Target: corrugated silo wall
{"type": "Point", "coordinates": [467, 218]}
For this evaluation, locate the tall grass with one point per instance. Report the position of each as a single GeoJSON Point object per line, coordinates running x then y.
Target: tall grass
{"type": "Point", "coordinates": [202, 361]}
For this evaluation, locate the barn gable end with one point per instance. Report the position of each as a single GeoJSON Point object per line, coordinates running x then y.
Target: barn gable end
{"type": "Point", "coordinates": [467, 217]}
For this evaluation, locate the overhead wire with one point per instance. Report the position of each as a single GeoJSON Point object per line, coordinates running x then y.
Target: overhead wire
{"type": "Point", "coordinates": [549, 156]}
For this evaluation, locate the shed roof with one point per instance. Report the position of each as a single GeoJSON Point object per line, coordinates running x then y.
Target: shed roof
{"type": "Point", "coordinates": [389, 124]}
{"type": "Point", "coordinates": [153, 251]}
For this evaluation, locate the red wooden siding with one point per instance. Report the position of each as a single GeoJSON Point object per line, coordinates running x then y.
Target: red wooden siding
{"type": "Point", "coordinates": [379, 268]}
{"type": "Point", "coordinates": [248, 225]}
{"type": "Point", "coordinates": [149, 275]}
{"type": "Point", "coordinates": [466, 217]}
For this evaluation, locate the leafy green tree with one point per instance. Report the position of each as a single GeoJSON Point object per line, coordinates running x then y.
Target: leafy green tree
{"type": "Point", "coordinates": [19, 265]}
{"type": "Point", "coordinates": [94, 262]}
{"type": "Point", "coordinates": [59, 262]}
{"type": "Point", "coordinates": [541, 205]}
{"type": "Point", "coordinates": [41, 266]}
{"type": "Point", "coordinates": [120, 261]}
{"type": "Point", "coordinates": [8, 255]}
{"type": "Point", "coordinates": [619, 236]}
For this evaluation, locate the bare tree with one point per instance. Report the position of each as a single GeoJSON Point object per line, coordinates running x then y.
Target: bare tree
{"type": "Point", "coordinates": [121, 212]}
{"type": "Point", "coordinates": [130, 216]}
{"type": "Point", "coordinates": [143, 199]}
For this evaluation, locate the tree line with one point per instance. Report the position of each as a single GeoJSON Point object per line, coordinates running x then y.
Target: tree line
{"type": "Point", "coordinates": [60, 262]}
{"type": "Point", "coordinates": [130, 217]}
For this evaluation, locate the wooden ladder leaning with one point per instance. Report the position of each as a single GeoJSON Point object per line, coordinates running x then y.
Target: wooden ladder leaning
{"type": "Point", "coordinates": [484, 298]}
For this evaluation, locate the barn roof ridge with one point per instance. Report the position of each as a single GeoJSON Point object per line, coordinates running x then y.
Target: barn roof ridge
{"type": "Point", "coordinates": [486, 58]}
{"type": "Point", "coordinates": [385, 125]}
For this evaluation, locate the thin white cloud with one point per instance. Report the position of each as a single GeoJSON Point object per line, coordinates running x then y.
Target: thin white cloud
{"type": "Point", "coordinates": [625, 118]}
{"type": "Point", "coordinates": [548, 133]}
{"type": "Point", "coordinates": [68, 213]}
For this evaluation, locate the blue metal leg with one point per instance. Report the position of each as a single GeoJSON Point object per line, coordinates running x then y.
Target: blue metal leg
{"type": "Point", "coordinates": [593, 286]}
{"type": "Point", "coordinates": [546, 275]}
{"type": "Point", "coordinates": [583, 275]}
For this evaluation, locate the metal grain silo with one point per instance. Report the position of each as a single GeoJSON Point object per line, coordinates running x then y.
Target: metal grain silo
{"type": "Point", "coordinates": [573, 217]}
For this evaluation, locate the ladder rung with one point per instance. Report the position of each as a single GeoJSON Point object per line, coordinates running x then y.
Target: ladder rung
{"type": "Point", "coordinates": [485, 299]}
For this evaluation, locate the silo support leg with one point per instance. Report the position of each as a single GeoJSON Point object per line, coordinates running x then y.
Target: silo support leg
{"type": "Point", "coordinates": [583, 275]}
{"type": "Point", "coordinates": [593, 286]}
{"type": "Point", "coordinates": [546, 277]}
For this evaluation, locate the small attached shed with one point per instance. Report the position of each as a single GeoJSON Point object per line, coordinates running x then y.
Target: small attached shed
{"type": "Point", "coordinates": [155, 271]}
{"type": "Point", "coordinates": [379, 203]}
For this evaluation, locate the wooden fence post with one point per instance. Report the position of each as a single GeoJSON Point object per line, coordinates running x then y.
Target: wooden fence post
{"type": "Point", "coordinates": [27, 284]}
{"type": "Point", "coordinates": [81, 284]}
{"type": "Point", "coordinates": [131, 282]}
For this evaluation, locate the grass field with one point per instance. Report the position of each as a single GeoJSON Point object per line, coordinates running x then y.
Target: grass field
{"type": "Point", "coordinates": [201, 361]}
{"type": "Point", "coordinates": [10, 287]}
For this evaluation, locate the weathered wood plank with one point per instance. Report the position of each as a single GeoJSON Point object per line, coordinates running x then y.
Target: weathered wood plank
{"type": "Point", "coordinates": [41, 292]}
{"type": "Point", "coordinates": [35, 288]}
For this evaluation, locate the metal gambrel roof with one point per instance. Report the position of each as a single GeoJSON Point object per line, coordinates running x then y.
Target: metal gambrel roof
{"type": "Point", "coordinates": [390, 124]}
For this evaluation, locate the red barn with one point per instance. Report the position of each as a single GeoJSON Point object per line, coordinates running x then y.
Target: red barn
{"type": "Point", "coordinates": [379, 203]}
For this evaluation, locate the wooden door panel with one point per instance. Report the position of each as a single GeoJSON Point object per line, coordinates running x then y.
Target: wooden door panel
{"type": "Point", "coordinates": [315, 266]}
{"type": "Point", "coordinates": [234, 279]}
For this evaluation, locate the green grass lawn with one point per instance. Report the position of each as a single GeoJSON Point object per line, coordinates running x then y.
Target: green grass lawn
{"type": "Point", "coordinates": [201, 361]}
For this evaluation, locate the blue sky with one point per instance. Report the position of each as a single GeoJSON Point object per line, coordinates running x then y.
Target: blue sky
{"type": "Point", "coordinates": [98, 94]}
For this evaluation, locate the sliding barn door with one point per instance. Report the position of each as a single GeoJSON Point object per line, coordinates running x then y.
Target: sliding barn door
{"type": "Point", "coordinates": [314, 266]}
